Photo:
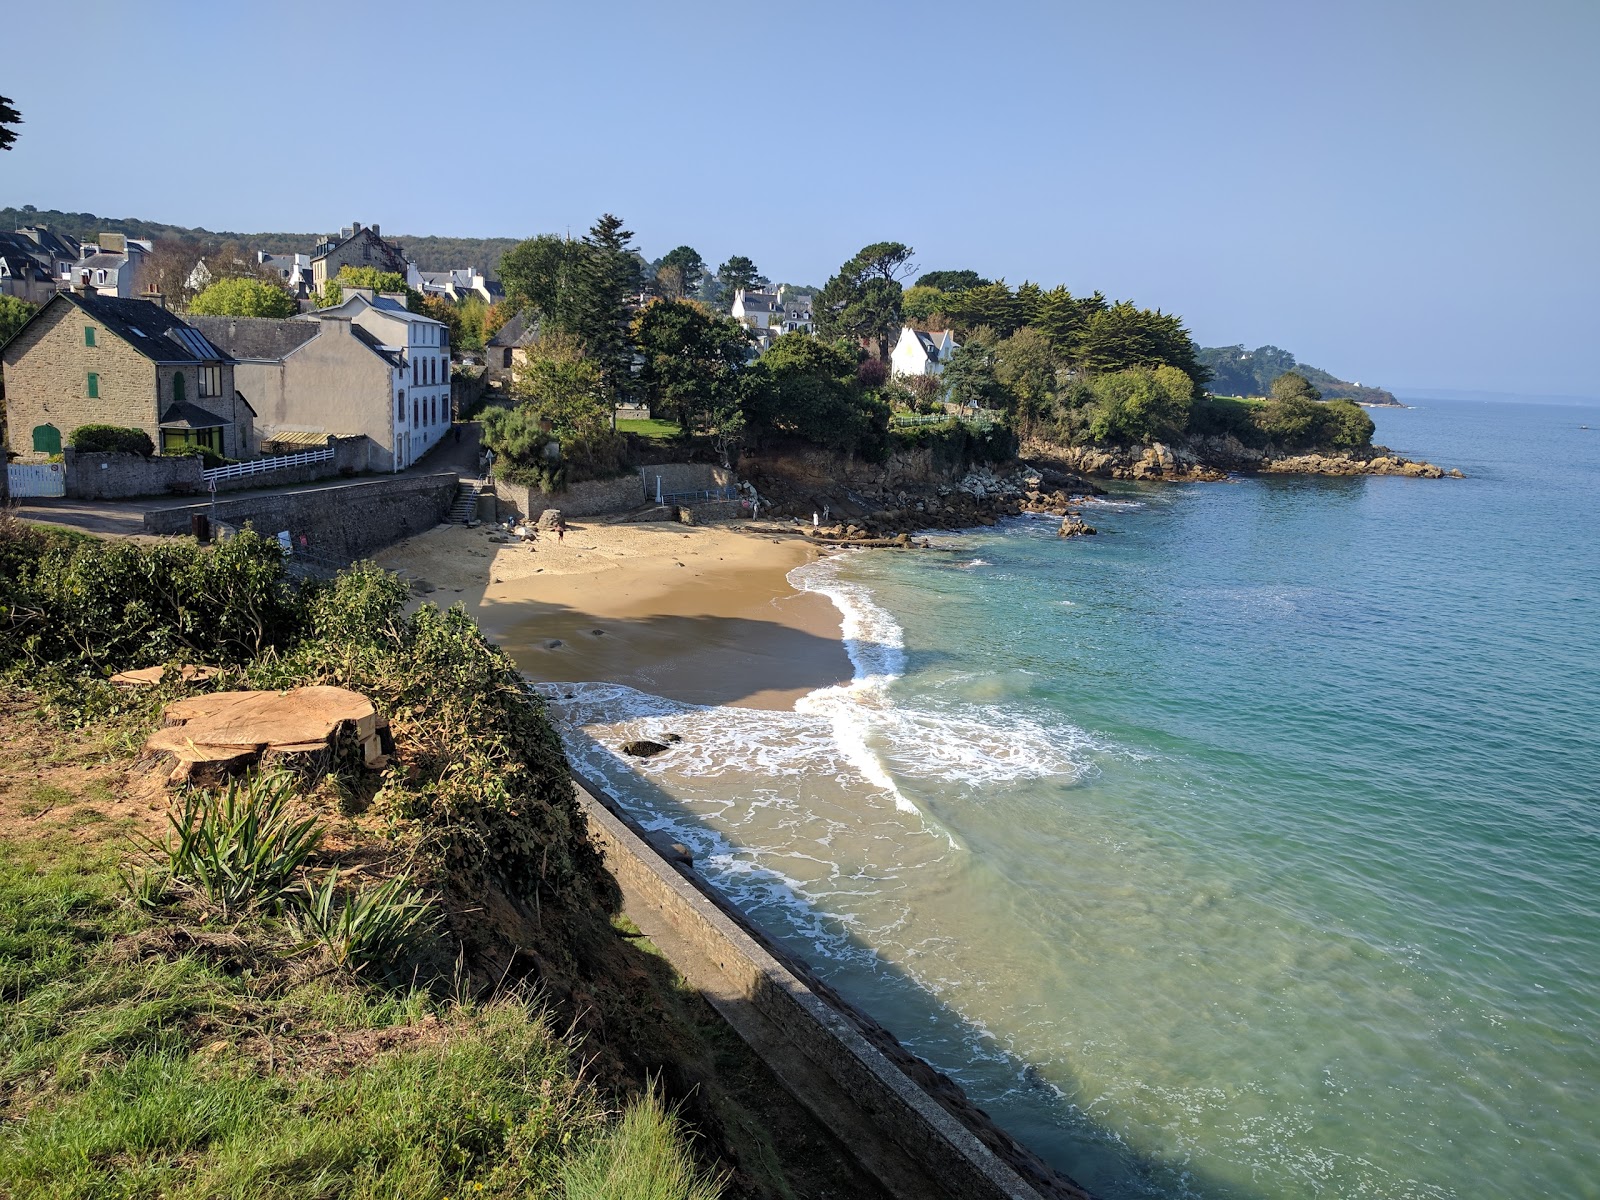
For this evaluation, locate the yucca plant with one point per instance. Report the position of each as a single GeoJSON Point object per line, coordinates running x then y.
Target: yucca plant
{"type": "Point", "coordinates": [239, 849]}
{"type": "Point", "coordinates": [365, 926]}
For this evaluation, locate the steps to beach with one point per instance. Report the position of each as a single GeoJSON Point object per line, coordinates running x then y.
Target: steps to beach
{"type": "Point", "coordinates": [466, 505]}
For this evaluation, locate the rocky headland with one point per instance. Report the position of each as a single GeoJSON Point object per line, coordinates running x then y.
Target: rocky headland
{"type": "Point", "coordinates": [1213, 458]}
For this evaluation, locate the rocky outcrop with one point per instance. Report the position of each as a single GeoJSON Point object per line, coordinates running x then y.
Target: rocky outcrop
{"type": "Point", "coordinates": [1213, 458]}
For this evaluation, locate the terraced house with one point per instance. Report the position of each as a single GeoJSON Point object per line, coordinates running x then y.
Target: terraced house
{"type": "Point", "coordinates": [87, 359]}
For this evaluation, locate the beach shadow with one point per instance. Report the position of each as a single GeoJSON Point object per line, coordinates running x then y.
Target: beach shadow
{"type": "Point", "coordinates": [693, 659]}
{"type": "Point", "coordinates": [1034, 1109]}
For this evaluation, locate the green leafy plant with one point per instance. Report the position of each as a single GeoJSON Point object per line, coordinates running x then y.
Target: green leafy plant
{"type": "Point", "coordinates": [643, 1156]}
{"type": "Point", "coordinates": [238, 849]}
{"type": "Point", "coordinates": [89, 439]}
{"type": "Point", "coordinates": [360, 928]}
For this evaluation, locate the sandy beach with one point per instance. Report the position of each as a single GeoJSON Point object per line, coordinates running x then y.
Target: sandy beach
{"type": "Point", "coordinates": [703, 615]}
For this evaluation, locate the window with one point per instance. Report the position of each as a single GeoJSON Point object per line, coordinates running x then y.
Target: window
{"type": "Point", "coordinates": [400, 406]}
{"type": "Point", "coordinates": [100, 275]}
{"type": "Point", "coordinates": [88, 335]}
{"type": "Point", "coordinates": [416, 372]}
{"type": "Point", "coordinates": [94, 386]}
{"type": "Point", "coordinates": [416, 412]}
{"type": "Point", "coordinates": [177, 389]}
{"type": "Point", "coordinates": [210, 381]}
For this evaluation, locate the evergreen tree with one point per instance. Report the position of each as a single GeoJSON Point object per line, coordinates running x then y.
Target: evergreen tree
{"type": "Point", "coordinates": [605, 278]}
{"type": "Point", "coordinates": [738, 273]}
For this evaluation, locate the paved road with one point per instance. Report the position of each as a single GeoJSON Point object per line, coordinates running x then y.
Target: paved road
{"type": "Point", "coordinates": [125, 518]}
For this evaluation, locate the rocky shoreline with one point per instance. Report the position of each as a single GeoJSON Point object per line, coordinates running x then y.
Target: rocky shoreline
{"type": "Point", "coordinates": [1216, 458]}
{"type": "Point", "coordinates": [863, 505]}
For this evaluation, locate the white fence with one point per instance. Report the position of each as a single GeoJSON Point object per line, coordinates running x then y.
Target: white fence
{"type": "Point", "coordinates": [37, 479]}
{"type": "Point", "coordinates": [262, 465]}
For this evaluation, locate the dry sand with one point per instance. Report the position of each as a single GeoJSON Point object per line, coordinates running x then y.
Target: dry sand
{"type": "Point", "coordinates": [699, 614]}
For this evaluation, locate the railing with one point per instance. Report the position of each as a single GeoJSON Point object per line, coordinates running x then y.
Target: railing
{"type": "Point", "coordinates": [722, 493]}
{"type": "Point", "coordinates": [262, 465]}
{"type": "Point", "coordinates": [905, 420]}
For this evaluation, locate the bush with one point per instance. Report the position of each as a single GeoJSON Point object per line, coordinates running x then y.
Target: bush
{"type": "Point", "coordinates": [111, 439]}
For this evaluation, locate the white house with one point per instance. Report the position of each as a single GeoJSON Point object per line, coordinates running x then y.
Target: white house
{"type": "Point", "coordinates": [921, 353]}
{"type": "Point", "coordinates": [794, 310]}
{"type": "Point", "coordinates": [454, 285]}
{"type": "Point", "coordinates": [293, 269]}
{"type": "Point", "coordinates": [113, 267]}
{"type": "Point", "coordinates": [755, 309]}
{"type": "Point", "coordinates": [422, 384]}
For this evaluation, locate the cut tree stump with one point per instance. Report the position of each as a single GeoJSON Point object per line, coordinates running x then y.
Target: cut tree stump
{"type": "Point", "coordinates": [221, 734]}
{"type": "Point", "coordinates": [152, 676]}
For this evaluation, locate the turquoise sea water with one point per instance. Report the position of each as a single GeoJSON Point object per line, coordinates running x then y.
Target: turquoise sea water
{"type": "Point", "coordinates": [1248, 849]}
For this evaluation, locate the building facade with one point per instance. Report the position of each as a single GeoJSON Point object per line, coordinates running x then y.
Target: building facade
{"type": "Point", "coordinates": [356, 245]}
{"type": "Point", "coordinates": [87, 359]}
{"type": "Point", "coordinates": [920, 352]}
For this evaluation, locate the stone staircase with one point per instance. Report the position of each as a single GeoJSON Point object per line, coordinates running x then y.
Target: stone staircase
{"type": "Point", "coordinates": [466, 505]}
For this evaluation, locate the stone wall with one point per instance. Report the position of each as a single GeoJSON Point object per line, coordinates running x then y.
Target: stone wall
{"type": "Point", "coordinates": [120, 476]}
{"type": "Point", "coordinates": [47, 370]}
{"type": "Point", "coordinates": [684, 477]}
{"type": "Point", "coordinates": [520, 502]}
{"type": "Point", "coordinates": [340, 522]}
{"type": "Point", "coordinates": [846, 1069]}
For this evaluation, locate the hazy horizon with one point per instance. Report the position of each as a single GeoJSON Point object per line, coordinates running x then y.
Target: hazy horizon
{"type": "Point", "coordinates": [1390, 192]}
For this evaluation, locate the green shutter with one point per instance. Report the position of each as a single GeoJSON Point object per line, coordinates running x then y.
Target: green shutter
{"type": "Point", "coordinates": [88, 335]}
{"type": "Point", "coordinates": [177, 389]}
{"type": "Point", "coordinates": [94, 386]}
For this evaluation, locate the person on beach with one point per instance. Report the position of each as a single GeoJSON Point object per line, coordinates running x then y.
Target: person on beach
{"type": "Point", "coordinates": [561, 530]}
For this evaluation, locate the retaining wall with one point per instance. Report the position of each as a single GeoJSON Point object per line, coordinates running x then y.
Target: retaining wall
{"type": "Point", "coordinates": [340, 522]}
{"type": "Point", "coordinates": [596, 496]}
{"type": "Point", "coordinates": [100, 476]}
{"type": "Point", "coordinates": [896, 1129]}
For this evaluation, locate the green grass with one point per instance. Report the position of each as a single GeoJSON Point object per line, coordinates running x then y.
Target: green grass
{"type": "Point", "coordinates": [659, 431]}
{"type": "Point", "coordinates": [141, 1056]}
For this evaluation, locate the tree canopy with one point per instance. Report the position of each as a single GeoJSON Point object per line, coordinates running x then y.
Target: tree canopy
{"type": "Point", "coordinates": [862, 301]}
{"type": "Point", "coordinates": [244, 298]}
{"type": "Point", "coordinates": [692, 359]}
{"type": "Point", "coordinates": [14, 314]}
{"type": "Point", "coordinates": [740, 272]}
{"type": "Point", "coordinates": [951, 281]}
{"type": "Point", "coordinates": [10, 118]}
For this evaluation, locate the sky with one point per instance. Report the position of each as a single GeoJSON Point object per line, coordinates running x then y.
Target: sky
{"type": "Point", "coordinates": [1405, 193]}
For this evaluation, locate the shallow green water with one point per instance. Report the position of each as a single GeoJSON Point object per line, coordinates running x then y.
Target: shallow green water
{"type": "Point", "coordinates": [1249, 849]}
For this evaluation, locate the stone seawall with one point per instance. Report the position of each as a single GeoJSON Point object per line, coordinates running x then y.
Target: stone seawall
{"type": "Point", "coordinates": [594, 497]}
{"type": "Point", "coordinates": [97, 476]}
{"type": "Point", "coordinates": [340, 522]}
{"type": "Point", "coordinates": [873, 1094]}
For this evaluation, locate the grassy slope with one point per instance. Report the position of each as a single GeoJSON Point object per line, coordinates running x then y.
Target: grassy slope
{"type": "Point", "coordinates": [173, 1052]}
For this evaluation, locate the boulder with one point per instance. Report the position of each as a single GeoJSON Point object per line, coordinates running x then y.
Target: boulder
{"type": "Point", "coordinates": [1074, 527]}
{"type": "Point", "coordinates": [642, 748]}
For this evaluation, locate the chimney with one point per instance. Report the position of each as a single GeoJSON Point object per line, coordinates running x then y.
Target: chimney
{"type": "Point", "coordinates": [374, 230]}
{"type": "Point", "coordinates": [355, 227]}
{"type": "Point", "coordinates": [156, 298]}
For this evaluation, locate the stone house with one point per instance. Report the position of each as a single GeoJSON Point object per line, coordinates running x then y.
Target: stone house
{"type": "Point", "coordinates": [355, 246]}
{"type": "Point", "coordinates": [366, 367]}
{"type": "Point", "coordinates": [508, 349]}
{"type": "Point", "coordinates": [112, 266]}
{"type": "Point", "coordinates": [88, 359]}
{"type": "Point", "coordinates": [921, 352]}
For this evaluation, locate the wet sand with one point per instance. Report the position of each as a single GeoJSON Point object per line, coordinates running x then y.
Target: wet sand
{"type": "Point", "coordinates": [703, 615]}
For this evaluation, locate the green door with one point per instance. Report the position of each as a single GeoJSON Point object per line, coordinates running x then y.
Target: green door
{"type": "Point", "coordinates": [46, 439]}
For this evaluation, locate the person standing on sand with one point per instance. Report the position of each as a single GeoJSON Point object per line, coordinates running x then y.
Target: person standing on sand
{"type": "Point", "coordinates": [561, 530]}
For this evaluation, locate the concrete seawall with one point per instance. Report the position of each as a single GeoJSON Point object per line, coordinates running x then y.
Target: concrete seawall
{"type": "Point", "coordinates": [847, 1070]}
{"type": "Point", "coordinates": [341, 522]}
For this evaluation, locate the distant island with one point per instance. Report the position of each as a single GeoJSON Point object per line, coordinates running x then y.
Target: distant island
{"type": "Point", "coordinates": [1236, 371]}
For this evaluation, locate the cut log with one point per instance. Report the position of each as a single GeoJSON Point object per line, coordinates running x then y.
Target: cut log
{"type": "Point", "coordinates": [151, 676]}
{"type": "Point", "coordinates": [222, 733]}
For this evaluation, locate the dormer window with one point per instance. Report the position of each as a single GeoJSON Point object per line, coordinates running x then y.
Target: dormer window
{"type": "Point", "coordinates": [100, 275]}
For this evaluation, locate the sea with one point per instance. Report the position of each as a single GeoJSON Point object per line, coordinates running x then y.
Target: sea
{"type": "Point", "coordinates": [1248, 849]}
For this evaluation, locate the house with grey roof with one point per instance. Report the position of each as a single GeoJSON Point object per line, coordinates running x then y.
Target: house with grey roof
{"type": "Point", "coordinates": [89, 359]}
{"type": "Point", "coordinates": [21, 273]}
{"type": "Point", "coordinates": [355, 245]}
{"type": "Point", "coordinates": [366, 367]}
{"type": "Point", "coordinates": [508, 348]}
{"type": "Point", "coordinates": [454, 285]}
{"type": "Point", "coordinates": [54, 251]}
{"type": "Point", "coordinates": [112, 265]}
{"type": "Point", "coordinates": [922, 352]}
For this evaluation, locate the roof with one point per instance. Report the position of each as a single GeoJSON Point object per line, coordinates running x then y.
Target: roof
{"type": "Point", "coordinates": [759, 302]}
{"type": "Point", "coordinates": [396, 258]}
{"type": "Point", "coordinates": [256, 337]}
{"type": "Point", "coordinates": [296, 437]}
{"type": "Point", "coordinates": [183, 415]}
{"type": "Point", "coordinates": [103, 260]}
{"type": "Point", "coordinates": [393, 354]}
{"type": "Point", "coordinates": [148, 328]}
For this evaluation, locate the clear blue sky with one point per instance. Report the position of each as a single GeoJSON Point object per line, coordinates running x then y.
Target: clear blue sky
{"type": "Point", "coordinates": [1405, 192]}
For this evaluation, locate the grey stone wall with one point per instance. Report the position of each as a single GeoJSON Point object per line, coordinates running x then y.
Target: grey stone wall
{"type": "Point", "coordinates": [118, 476]}
{"type": "Point", "coordinates": [340, 522]}
{"type": "Point", "coordinates": [518, 502]}
{"type": "Point", "coordinates": [909, 1141]}
{"type": "Point", "coordinates": [685, 477]}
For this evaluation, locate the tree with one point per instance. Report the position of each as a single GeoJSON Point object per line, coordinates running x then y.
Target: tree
{"type": "Point", "coordinates": [991, 304]}
{"type": "Point", "coordinates": [804, 387]}
{"type": "Point", "coordinates": [692, 359]}
{"type": "Point", "coordinates": [244, 298]}
{"type": "Point", "coordinates": [1345, 424]}
{"type": "Point", "coordinates": [688, 271]}
{"type": "Point", "coordinates": [14, 314]}
{"type": "Point", "coordinates": [1140, 405]}
{"type": "Point", "coordinates": [390, 283]}
{"type": "Point", "coordinates": [969, 377]}
{"type": "Point", "coordinates": [9, 116]}
{"type": "Point", "coordinates": [922, 305]}
{"type": "Point", "coordinates": [863, 300]}
{"type": "Point", "coordinates": [1026, 367]}
{"type": "Point", "coordinates": [1292, 385]}
{"type": "Point", "coordinates": [740, 272]}
{"type": "Point", "coordinates": [951, 281]}
{"type": "Point", "coordinates": [538, 274]}
{"type": "Point", "coordinates": [605, 280]}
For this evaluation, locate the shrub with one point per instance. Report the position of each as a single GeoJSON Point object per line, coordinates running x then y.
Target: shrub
{"type": "Point", "coordinates": [111, 439]}
{"type": "Point", "coordinates": [360, 928]}
{"type": "Point", "coordinates": [239, 849]}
